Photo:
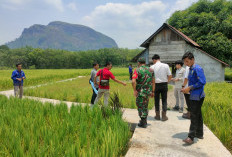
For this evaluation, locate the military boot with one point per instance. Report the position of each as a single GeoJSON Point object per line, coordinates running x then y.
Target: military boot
{"type": "Point", "coordinates": [164, 117]}
{"type": "Point", "coordinates": [143, 123]}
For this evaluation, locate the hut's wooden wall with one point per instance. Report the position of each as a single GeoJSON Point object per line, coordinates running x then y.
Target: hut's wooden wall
{"type": "Point", "coordinates": [169, 45]}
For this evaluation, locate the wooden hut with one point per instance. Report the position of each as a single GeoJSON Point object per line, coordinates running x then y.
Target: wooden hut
{"type": "Point", "coordinates": [171, 44]}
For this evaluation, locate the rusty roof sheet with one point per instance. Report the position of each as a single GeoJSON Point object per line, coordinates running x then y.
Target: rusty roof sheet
{"type": "Point", "coordinates": [185, 37]}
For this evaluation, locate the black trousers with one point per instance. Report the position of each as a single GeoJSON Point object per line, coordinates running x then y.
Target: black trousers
{"type": "Point", "coordinates": [161, 89]}
{"type": "Point", "coordinates": [130, 75]}
{"type": "Point", "coordinates": [187, 96]}
{"type": "Point", "coordinates": [93, 97]}
{"type": "Point", "coordinates": [196, 126]}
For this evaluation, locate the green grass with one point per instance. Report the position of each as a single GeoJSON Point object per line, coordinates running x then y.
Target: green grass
{"type": "Point", "coordinates": [79, 90]}
{"type": "Point", "coordinates": [228, 74]}
{"type": "Point", "coordinates": [217, 111]}
{"type": "Point", "coordinates": [35, 77]}
{"type": "Point", "coordinates": [30, 128]}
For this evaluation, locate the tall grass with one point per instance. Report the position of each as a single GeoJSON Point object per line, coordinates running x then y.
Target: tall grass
{"type": "Point", "coordinates": [228, 74]}
{"type": "Point", "coordinates": [79, 90]}
{"type": "Point", "coordinates": [35, 77]}
{"type": "Point", "coordinates": [217, 111]}
{"type": "Point", "coordinates": [29, 128]}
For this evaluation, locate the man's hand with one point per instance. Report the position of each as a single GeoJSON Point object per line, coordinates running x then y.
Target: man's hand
{"type": "Point", "coordinates": [124, 84]}
{"type": "Point", "coordinates": [152, 94]}
{"type": "Point", "coordinates": [175, 79]}
{"type": "Point", "coordinates": [23, 78]}
{"type": "Point", "coordinates": [135, 93]}
{"type": "Point", "coordinates": [19, 79]}
{"type": "Point", "coordinates": [186, 90]}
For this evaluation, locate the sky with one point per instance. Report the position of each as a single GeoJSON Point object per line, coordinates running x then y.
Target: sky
{"type": "Point", "coordinates": [128, 22]}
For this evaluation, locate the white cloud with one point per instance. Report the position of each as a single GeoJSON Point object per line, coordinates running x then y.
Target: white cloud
{"type": "Point", "coordinates": [131, 24]}
{"type": "Point", "coordinates": [128, 24]}
{"type": "Point", "coordinates": [58, 4]}
{"type": "Point", "coordinates": [180, 5]}
{"type": "Point", "coordinates": [72, 6]}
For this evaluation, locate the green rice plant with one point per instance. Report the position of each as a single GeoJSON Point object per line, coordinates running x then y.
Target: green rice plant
{"type": "Point", "coordinates": [41, 76]}
{"type": "Point", "coordinates": [80, 91]}
{"type": "Point", "coordinates": [30, 128]}
{"type": "Point", "coordinates": [217, 111]}
{"type": "Point", "coordinates": [228, 74]}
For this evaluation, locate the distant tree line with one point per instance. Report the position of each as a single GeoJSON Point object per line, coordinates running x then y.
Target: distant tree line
{"type": "Point", "coordinates": [36, 58]}
{"type": "Point", "coordinates": [209, 23]}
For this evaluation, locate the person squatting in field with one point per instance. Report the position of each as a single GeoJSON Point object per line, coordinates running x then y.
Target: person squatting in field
{"type": "Point", "coordinates": [143, 84]}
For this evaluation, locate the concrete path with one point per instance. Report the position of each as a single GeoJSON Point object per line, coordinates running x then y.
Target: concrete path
{"type": "Point", "coordinates": [161, 139]}
{"type": "Point", "coordinates": [164, 139]}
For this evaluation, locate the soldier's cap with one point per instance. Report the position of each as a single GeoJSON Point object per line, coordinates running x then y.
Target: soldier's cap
{"type": "Point", "coordinates": [141, 60]}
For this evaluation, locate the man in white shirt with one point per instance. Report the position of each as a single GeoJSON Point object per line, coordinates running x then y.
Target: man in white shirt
{"type": "Point", "coordinates": [185, 85]}
{"type": "Point", "coordinates": [179, 80]}
{"type": "Point", "coordinates": [162, 75]}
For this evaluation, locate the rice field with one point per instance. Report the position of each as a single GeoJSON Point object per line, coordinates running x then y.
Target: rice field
{"type": "Point", "coordinates": [217, 111]}
{"type": "Point", "coordinates": [35, 77]}
{"type": "Point", "coordinates": [30, 128]}
{"type": "Point", "coordinates": [228, 74]}
{"type": "Point", "coordinates": [79, 90]}
{"type": "Point", "coordinates": [217, 108]}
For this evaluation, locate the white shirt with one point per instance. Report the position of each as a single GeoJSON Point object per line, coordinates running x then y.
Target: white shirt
{"type": "Point", "coordinates": [161, 71]}
{"type": "Point", "coordinates": [180, 74]}
{"type": "Point", "coordinates": [186, 74]}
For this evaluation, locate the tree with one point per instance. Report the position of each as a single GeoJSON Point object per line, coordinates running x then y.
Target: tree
{"type": "Point", "coordinates": [209, 23]}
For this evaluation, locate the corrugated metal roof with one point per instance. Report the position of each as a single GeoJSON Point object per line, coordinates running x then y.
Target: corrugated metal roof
{"type": "Point", "coordinates": [183, 35]}
{"type": "Point", "coordinates": [213, 57]}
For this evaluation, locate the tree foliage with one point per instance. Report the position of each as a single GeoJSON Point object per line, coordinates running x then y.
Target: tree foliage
{"type": "Point", "coordinates": [62, 59]}
{"type": "Point", "coordinates": [209, 23]}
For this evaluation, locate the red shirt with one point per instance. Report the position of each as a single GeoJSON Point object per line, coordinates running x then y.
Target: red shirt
{"type": "Point", "coordinates": [135, 75]}
{"type": "Point", "coordinates": [106, 76]}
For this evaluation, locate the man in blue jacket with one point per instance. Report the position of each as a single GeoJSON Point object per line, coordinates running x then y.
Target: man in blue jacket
{"type": "Point", "coordinates": [196, 81]}
{"type": "Point", "coordinates": [18, 76]}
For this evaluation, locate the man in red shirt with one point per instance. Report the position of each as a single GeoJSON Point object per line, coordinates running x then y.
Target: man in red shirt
{"type": "Point", "coordinates": [104, 86]}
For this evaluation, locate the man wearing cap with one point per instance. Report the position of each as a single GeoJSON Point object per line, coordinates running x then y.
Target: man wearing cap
{"type": "Point", "coordinates": [143, 84]}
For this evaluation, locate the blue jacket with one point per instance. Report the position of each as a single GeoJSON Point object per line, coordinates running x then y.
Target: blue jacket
{"type": "Point", "coordinates": [17, 74]}
{"type": "Point", "coordinates": [197, 80]}
{"type": "Point", "coordinates": [130, 69]}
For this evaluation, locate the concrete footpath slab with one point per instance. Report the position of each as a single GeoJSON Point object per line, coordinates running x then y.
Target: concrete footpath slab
{"type": "Point", "coordinates": [164, 139]}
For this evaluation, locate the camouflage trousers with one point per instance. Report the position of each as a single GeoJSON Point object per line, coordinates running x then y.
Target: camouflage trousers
{"type": "Point", "coordinates": [142, 104]}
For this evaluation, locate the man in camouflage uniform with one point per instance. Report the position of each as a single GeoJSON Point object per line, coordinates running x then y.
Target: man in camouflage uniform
{"type": "Point", "coordinates": [143, 84]}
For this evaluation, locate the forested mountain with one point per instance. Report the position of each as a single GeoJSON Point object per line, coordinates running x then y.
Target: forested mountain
{"type": "Point", "coordinates": [209, 23]}
{"type": "Point", "coordinates": [61, 35]}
